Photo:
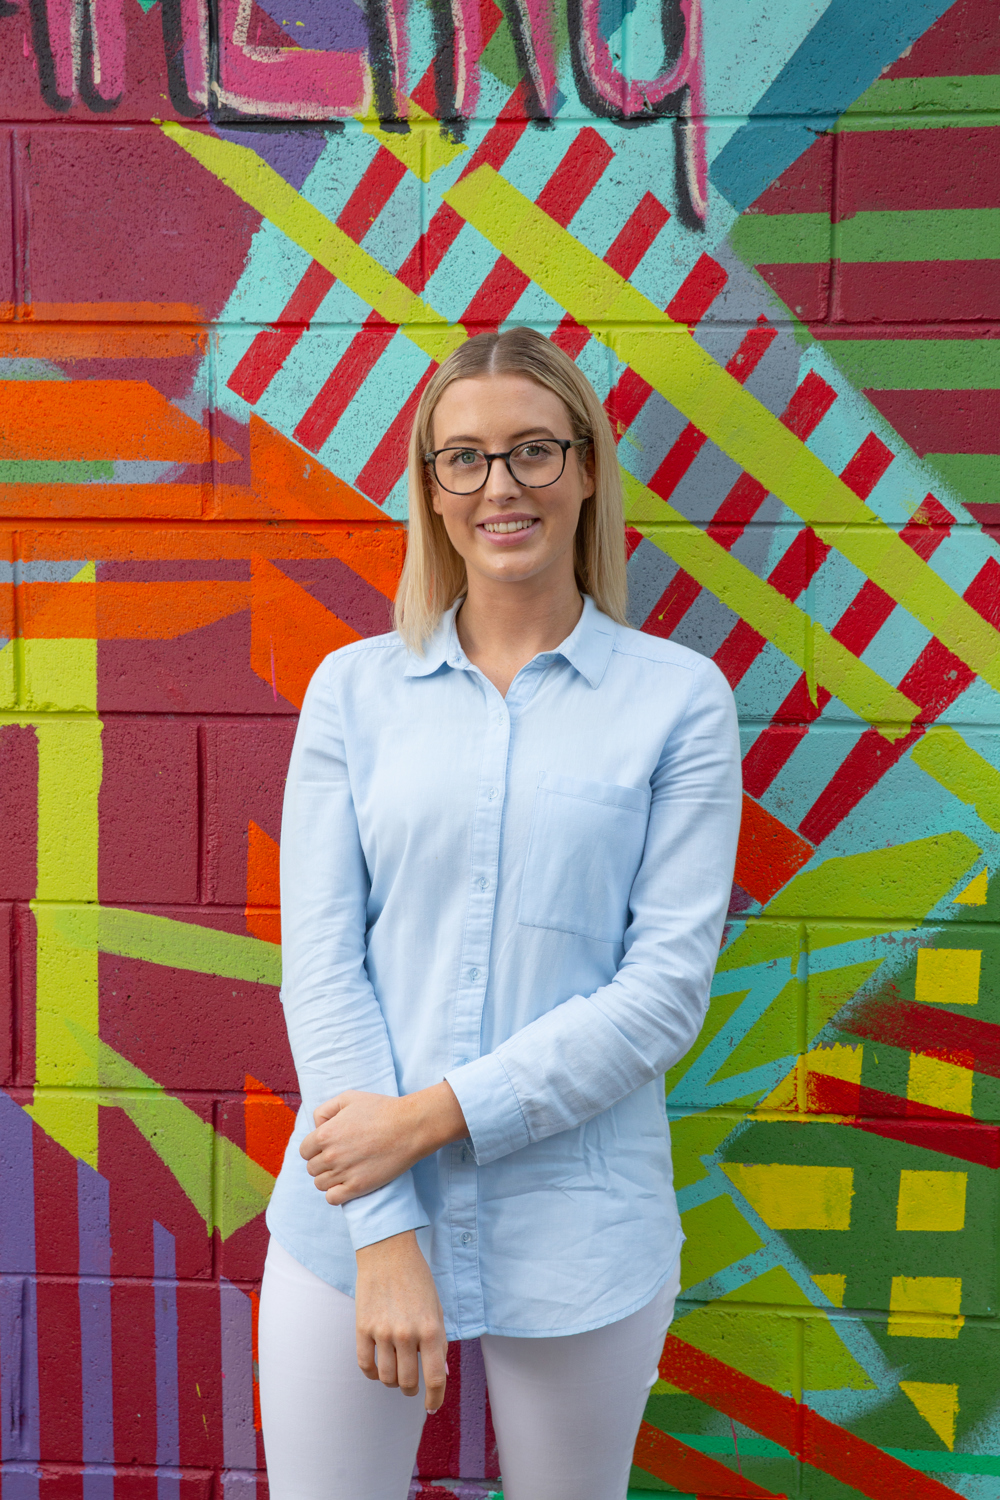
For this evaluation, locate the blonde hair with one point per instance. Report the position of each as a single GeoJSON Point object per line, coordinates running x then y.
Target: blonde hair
{"type": "Point", "coordinates": [434, 574]}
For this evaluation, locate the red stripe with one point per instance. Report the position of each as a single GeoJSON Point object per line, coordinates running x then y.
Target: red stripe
{"type": "Point", "coordinates": [802, 287]}
{"type": "Point", "coordinates": [133, 1367]}
{"type": "Point", "coordinates": [689, 304]}
{"type": "Point", "coordinates": [633, 539]}
{"type": "Point", "coordinates": [935, 680]}
{"type": "Point", "coordinates": [344, 382]}
{"type": "Point", "coordinates": [697, 291]}
{"type": "Point", "coordinates": [673, 604]}
{"type": "Point", "coordinates": [571, 337]}
{"type": "Point", "coordinates": [824, 1445]}
{"type": "Point", "coordinates": [199, 1375]}
{"type": "Point", "coordinates": [931, 291]}
{"type": "Point", "coordinates": [379, 475]}
{"type": "Point", "coordinates": [863, 472]}
{"type": "Point", "coordinates": [967, 1042]}
{"type": "Point", "coordinates": [809, 405]}
{"type": "Point", "coordinates": [565, 192]}
{"type": "Point", "coordinates": [684, 1468]}
{"type": "Point", "coordinates": [806, 187]}
{"type": "Point", "coordinates": [943, 421]}
{"type": "Point", "coordinates": [856, 629]}
{"type": "Point", "coordinates": [641, 228]}
{"type": "Point", "coordinates": [904, 1120]}
{"type": "Point", "coordinates": [966, 39]}
{"type": "Point", "coordinates": [769, 853]}
{"type": "Point", "coordinates": [917, 169]}
{"type": "Point", "coordinates": [273, 345]}
{"type": "Point", "coordinates": [753, 346]}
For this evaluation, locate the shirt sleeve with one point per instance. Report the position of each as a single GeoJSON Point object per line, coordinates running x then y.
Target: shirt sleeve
{"type": "Point", "coordinates": [592, 1050]}
{"type": "Point", "coordinates": [335, 1025]}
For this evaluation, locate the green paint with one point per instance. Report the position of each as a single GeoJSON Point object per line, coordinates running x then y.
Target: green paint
{"type": "Point", "coordinates": [717, 1235]}
{"type": "Point", "coordinates": [827, 992]}
{"type": "Point", "coordinates": [691, 1138]}
{"type": "Point", "coordinates": [775, 1035]}
{"type": "Point", "coordinates": [720, 1010]}
{"type": "Point", "coordinates": [760, 1343]}
{"type": "Point", "coordinates": [976, 476]}
{"type": "Point", "coordinates": [890, 889]}
{"type": "Point", "coordinates": [827, 1366]}
{"type": "Point", "coordinates": [54, 471]}
{"type": "Point", "coordinates": [187, 945]}
{"type": "Point", "coordinates": [147, 5]}
{"type": "Point", "coordinates": [945, 756]}
{"type": "Point", "coordinates": [906, 235]}
{"type": "Point", "coordinates": [950, 95]}
{"type": "Point", "coordinates": [918, 364]}
{"type": "Point", "coordinates": [499, 58]}
{"type": "Point", "coordinates": [225, 1186]}
{"type": "Point", "coordinates": [947, 1463]}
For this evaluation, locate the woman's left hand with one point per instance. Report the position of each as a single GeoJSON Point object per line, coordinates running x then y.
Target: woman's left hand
{"type": "Point", "coordinates": [362, 1141]}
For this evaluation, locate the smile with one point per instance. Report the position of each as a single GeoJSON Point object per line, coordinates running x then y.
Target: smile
{"type": "Point", "coordinates": [504, 527]}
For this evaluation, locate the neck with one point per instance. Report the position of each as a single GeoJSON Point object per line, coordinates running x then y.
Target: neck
{"type": "Point", "coordinates": [502, 625]}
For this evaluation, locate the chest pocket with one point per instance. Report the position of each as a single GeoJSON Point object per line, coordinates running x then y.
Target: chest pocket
{"type": "Point", "coordinates": [584, 849]}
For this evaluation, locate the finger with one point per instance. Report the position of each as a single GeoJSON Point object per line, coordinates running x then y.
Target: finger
{"type": "Point", "coordinates": [339, 1194]}
{"type": "Point", "coordinates": [387, 1362]}
{"type": "Point", "coordinates": [327, 1110]}
{"type": "Point", "coordinates": [407, 1368]}
{"type": "Point", "coordinates": [432, 1357]}
{"type": "Point", "coordinates": [309, 1146]}
{"type": "Point", "coordinates": [366, 1356]}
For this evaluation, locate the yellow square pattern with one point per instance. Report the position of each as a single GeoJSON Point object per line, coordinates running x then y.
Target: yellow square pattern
{"type": "Point", "coordinates": [914, 1299]}
{"type": "Point", "coordinates": [931, 1200]}
{"type": "Point", "coordinates": [942, 1084]}
{"type": "Point", "coordinates": [948, 976]}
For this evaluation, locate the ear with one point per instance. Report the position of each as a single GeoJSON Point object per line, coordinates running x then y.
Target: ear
{"type": "Point", "coordinates": [590, 471]}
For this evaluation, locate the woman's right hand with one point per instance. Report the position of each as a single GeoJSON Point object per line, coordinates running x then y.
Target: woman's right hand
{"type": "Point", "coordinates": [399, 1318]}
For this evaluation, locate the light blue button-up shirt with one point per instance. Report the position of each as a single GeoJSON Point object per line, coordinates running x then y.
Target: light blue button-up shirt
{"type": "Point", "coordinates": [524, 896]}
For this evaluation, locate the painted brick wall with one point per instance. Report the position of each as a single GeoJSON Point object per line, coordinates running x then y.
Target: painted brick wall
{"type": "Point", "coordinates": [235, 238]}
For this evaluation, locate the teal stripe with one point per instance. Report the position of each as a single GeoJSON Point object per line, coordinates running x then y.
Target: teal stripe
{"type": "Point", "coordinates": [926, 1460]}
{"type": "Point", "coordinates": [910, 235]}
{"type": "Point", "coordinates": [918, 364]}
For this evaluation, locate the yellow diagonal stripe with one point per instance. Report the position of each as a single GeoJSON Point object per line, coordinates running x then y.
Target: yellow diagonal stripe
{"type": "Point", "coordinates": [422, 149]}
{"type": "Point", "coordinates": [676, 366]}
{"type": "Point", "coordinates": [945, 756]}
{"type": "Point", "coordinates": [267, 191]}
{"type": "Point", "coordinates": [759, 603]}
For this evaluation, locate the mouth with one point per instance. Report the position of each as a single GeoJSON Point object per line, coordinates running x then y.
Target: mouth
{"type": "Point", "coordinates": [508, 526]}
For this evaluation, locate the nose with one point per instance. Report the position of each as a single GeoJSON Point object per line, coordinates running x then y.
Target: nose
{"type": "Point", "coordinates": [501, 486]}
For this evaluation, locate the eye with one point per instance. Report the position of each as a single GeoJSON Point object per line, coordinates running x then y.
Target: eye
{"type": "Point", "coordinates": [535, 450]}
{"type": "Point", "coordinates": [462, 458]}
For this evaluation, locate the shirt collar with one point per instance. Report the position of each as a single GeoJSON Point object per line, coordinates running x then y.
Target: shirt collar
{"type": "Point", "coordinates": [588, 647]}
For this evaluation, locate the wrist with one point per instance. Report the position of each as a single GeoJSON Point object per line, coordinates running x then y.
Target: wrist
{"type": "Point", "coordinates": [393, 1248]}
{"type": "Point", "coordinates": [435, 1119]}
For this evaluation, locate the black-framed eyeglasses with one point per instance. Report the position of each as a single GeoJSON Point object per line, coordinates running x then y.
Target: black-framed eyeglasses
{"type": "Point", "coordinates": [535, 464]}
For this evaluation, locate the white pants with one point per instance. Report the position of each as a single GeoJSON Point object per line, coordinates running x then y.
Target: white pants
{"type": "Point", "coordinates": [566, 1411]}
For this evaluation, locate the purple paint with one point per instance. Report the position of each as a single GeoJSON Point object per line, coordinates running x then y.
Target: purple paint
{"type": "Point", "coordinates": [327, 25]}
{"type": "Point", "coordinates": [168, 1437]}
{"type": "Point", "coordinates": [94, 1216]}
{"type": "Point", "coordinates": [19, 1437]}
{"type": "Point", "coordinates": [472, 1410]}
{"type": "Point", "coordinates": [292, 153]}
{"type": "Point", "coordinates": [239, 1440]}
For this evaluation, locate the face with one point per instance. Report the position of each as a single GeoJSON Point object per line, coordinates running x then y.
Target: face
{"type": "Point", "coordinates": [508, 531]}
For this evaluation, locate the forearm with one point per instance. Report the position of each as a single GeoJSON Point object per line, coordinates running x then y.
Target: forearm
{"type": "Point", "coordinates": [431, 1118]}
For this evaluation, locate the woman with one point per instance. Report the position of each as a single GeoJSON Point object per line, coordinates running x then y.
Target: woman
{"type": "Point", "coordinates": [507, 847]}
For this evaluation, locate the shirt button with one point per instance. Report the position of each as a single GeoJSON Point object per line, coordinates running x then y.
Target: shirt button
{"type": "Point", "coordinates": [483, 883]}
{"type": "Point", "coordinates": [494, 792]}
{"type": "Point", "coordinates": [467, 1238]}
{"type": "Point", "coordinates": [473, 974]}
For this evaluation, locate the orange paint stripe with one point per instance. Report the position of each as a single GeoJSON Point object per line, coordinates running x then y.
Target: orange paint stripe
{"type": "Point", "coordinates": [26, 341]}
{"type": "Point", "coordinates": [113, 312]}
{"type": "Point", "coordinates": [375, 553]}
{"type": "Point", "coordinates": [185, 502]}
{"type": "Point", "coordinates": [125, 611]}
{"type": "Point", "coordinates": [98, 419]}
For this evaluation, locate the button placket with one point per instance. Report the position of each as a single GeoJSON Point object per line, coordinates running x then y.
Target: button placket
{"type": "Point", "coordinates": [466, 1040]}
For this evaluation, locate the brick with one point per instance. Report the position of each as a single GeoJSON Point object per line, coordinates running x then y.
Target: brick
{"type": "Point", "coordinates": [19, 811]}
{"type": "Point", "coordinates": [149, 811]}
{"type": "Point", "coordinates": [245, 766]}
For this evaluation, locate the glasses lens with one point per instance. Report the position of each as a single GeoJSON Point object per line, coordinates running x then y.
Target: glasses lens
{"type": "Point", "coordinates": [461, 470]}
{"type": "Point", "coordinates": [537, 463]}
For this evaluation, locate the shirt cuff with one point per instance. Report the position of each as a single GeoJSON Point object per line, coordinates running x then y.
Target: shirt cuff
{"type": "Point", "coordinates": [491, 1108]}
{"type": "Point", "coordinates": [390, 1210]}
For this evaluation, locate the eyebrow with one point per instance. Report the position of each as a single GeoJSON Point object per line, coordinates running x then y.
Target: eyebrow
{"type": "Point", "coordinates": [517, 437]}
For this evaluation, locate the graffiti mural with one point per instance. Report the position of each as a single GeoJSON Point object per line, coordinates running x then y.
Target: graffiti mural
{"type": "Point", "coordinates": [236, 239]}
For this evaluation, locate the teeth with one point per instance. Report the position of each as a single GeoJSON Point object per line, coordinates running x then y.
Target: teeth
{"type": "Point", "coordinates": [507, 525]}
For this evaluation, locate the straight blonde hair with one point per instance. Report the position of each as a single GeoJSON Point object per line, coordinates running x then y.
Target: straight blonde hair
{"type": "Point", "coordinates": [434, 574]}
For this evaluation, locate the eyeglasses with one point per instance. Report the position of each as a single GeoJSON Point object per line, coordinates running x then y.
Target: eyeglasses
{"type": "Point", "coordinates": [535, 464]}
